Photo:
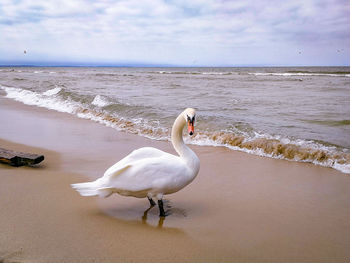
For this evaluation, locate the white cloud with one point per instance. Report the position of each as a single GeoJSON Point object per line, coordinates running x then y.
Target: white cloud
{"type": "Point", "coordinates": [175, 32]}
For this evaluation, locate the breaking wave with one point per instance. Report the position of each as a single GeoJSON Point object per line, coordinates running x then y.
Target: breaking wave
{"type": "Point", "coordinates": [279, 148]}
{"type": "Point", "coordinates": [47, 99]}
{"type": "Point", "coordinates": [239, 72]}
{"type": "Point", "coordinates": [101, 101]}
{"type": "Point", "coordinates": [290, 74]}
{"type": "Point", "coordinates": [53, 91]}
{"type": "Point", "coordinates": [98, 108]}
{"type": "Point", "coordinates": [193, 72]}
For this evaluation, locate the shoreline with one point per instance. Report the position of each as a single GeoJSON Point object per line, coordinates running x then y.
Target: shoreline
{"type": "Point", "coordinates": [241, 207]}
{"type": "Point", "coordinates": [276, 146]}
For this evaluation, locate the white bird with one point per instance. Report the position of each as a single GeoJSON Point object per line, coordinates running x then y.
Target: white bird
{"type": "Point", "coordinates": [149, 172]}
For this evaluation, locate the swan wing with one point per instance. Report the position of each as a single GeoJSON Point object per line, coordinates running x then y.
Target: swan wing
{"type": "Point", "coordinates": [144, 171]}
{"type": "Point", "coordinates": [139, 154]}
{"type": "Point", "coordinates": [164, 174]}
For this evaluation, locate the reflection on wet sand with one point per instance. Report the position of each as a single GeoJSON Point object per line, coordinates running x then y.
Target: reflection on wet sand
{"type": "Point", "coordinates": [144, 218]}
{"type": "Point", "coordinates": [131, 213]}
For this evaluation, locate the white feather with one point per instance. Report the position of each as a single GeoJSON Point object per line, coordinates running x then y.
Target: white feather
{"type": "Point", "coordinates": [148, 171]}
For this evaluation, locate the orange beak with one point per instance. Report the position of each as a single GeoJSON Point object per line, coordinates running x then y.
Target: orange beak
{"type": "Point", "coordinates": [190, 128]}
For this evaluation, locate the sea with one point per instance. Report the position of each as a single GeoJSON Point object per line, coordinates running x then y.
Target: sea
{"type": "Point", "coordinates": [299, 114]}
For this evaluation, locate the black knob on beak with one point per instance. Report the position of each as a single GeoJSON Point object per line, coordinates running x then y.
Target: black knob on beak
{"type": "Point", "coordinates": [191, 133]}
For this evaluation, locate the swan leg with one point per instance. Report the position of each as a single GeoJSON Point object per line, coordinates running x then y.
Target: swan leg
{"type": "Point", "coordinates": [152, 203]}
{"type": "Point", "coordinates": [161, 222]}
{"type": "Point", "coordinates": [144, 217]}
{"type": "Point", "coordinates": [161, 208]}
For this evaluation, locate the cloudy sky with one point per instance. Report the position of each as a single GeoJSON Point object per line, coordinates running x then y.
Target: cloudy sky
{"type": "Point", "coordinates": [176, 32]}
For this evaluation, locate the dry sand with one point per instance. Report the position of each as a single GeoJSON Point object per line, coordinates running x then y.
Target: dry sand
{"type": "Point", "coordinates": [240, 208]}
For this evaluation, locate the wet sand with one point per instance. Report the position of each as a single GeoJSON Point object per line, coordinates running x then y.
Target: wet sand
{"type": "Point", "coordinates": [240, 208]}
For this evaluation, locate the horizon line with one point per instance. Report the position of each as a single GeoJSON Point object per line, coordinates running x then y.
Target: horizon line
{"type": "Point", "coordinates": [145, 65]}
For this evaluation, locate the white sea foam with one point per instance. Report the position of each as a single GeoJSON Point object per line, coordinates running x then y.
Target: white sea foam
{"type": "Point", "coordinates": [41, 100]}
{"type": "Point", "coordinates": [53, 91]}
{"type": "Point", "coordinates": [98, 119]}
{"type": "Point", "coordinates": [257, 143]}
{"type": "Point", "coordinates": [101, 101]}
{"type": "Point", "coordinates": [203, 140]}
{"type": "Point", "coordinates": [217, 73]}
{"type": "Point", "coordinates": [287, 74]}
{"type": "Point", "coordinates": [195, 73]}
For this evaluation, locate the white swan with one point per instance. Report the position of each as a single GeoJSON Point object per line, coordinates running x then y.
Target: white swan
{"type": "Point", "coordinates": [149, 172]}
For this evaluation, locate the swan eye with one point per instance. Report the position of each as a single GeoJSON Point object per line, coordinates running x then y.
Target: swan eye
{"type": "Point", "coordinates": [190, 120]}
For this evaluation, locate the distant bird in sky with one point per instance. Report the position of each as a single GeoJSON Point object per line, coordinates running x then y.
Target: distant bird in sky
{"type": "Point", "coordinates": [25, 51]}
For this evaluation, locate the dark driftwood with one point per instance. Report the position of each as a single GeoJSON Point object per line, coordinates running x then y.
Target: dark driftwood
{"type": "Point", "coordinates": [18, 158]}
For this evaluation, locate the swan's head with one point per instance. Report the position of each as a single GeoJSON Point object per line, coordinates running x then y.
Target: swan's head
{"type": "Point", "coordinates": [190, 117]}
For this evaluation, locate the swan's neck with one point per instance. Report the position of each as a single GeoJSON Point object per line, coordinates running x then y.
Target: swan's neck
{"type": "Point", "coordinates": [186, 154]}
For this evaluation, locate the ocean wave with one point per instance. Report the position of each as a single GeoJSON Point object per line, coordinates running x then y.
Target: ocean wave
{"type": "Point", "coordinates": [101, 101]}
{"type": "Point", "coordinates": [107, 74]}
{"type": "Point", "coordinates": [254, 143]}
{"type": "Point", "coordinates": [320, 72]}
{"type": "Point", "coordinates": [329, 122]}
{"type": "Point", "coordinates": [217, 73]}
{"type": "Point", "coordinates": [134, 125]}
{"type": "Point", "coordinates": [192, 73]}
{"type": "Point", "coordinates": [53, 91]}
{"type": "Point", "coordinates": [279, 148]}
{"type": "Point", "coordinates": [285, 74]}
{"type": "Point", "coordinates": [291, 74]}
{"type": "Point", "coordinates": [45, 100]}
{"type": "Point", "coordinates": [65, 103]}
{"type": "Point", "coordinates": [178, 72]}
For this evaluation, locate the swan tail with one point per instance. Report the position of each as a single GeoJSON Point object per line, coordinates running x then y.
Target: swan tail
{"type": "Point", "coordinates": [92, 189]}
{"type": "Point", "coordinates": [100, 186]}
{"type": "Point", "coordinates": [104, 192]}
{"type": "Point", "coordinates": [86, 189]}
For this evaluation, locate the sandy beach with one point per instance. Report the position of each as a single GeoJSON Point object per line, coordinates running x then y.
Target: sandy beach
{"type": "Point", "coordinates": [240, 208]}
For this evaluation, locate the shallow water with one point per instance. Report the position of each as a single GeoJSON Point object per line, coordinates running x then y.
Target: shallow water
{"type": "Point", "coordinates": [300, 114]}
